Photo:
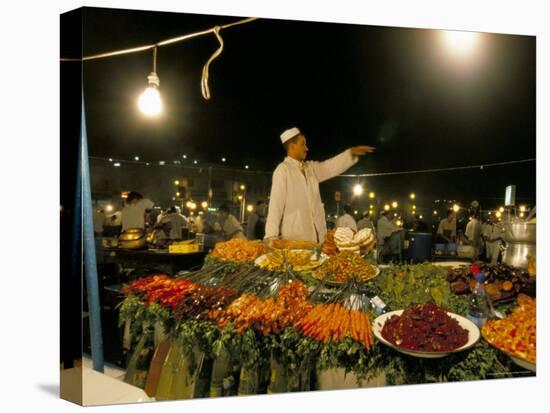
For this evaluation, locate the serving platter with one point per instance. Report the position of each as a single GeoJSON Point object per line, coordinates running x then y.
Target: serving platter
{"type": "Point", "coordinates": [473, 336]}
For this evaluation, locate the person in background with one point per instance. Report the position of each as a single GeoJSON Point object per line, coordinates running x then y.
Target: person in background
{"type": "Point", "coordinates": [446, 232]}
{"type": "Point", "coordinates": [385, 229]}
{"type": "Point", "coordinates": [177, 222]}
{"type": "Point", "coordinates": [113, 225]}
{"type": "Point", "coordinates": [162, 215]}
{"type": "Point", "coordinates": [161, 234]}
{"type": "Point", "coordinates": [493, 235]}
{"type": "Point", "coordinates": [230, 226]}
{"type": "Point", "coordinates": [255, 228]}
{"type": "Point", "coordinates": [346, 220]}
{"type": "Point", "coordinates": [473, 235]}
{"type": "Point", "coordinates": [365, 222]}
{"type": "Point", "coordinates": [99, 221]}
{"type": "Point", "coordinates": [135, 210]}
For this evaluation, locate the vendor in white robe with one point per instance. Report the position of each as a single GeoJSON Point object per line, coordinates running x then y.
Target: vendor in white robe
{"type": "Point", "coordinates": [295, 207]}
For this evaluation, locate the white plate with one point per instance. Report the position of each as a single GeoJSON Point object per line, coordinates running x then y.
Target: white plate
{"type": "Point", "coordinates": [473, 336]}
{"type": "Point", "coordinates": [260, 260]}
{"type": "Point", "coordinates": [517, 360]}
{"type": "Point", "coordinates": [523, 363]}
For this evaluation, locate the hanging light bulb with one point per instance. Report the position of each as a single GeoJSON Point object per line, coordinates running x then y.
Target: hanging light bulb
{"type": "Point", "coordinates": [149, 102]}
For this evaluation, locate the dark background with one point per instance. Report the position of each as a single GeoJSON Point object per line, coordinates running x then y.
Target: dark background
{"type": "Point", "coordinates": [394, 88]}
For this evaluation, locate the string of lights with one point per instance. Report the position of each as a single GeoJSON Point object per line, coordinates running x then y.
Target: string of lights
{"type": "Point", "coordinates": [454, 168]}
{"type": "Point", "coordinates": [177, 163]}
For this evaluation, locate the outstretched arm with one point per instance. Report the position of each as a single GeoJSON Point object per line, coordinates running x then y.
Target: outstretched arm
{"type": "Point", "coordinates": [340, 163]}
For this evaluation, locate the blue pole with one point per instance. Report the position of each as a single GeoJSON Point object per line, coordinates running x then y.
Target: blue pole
{"type": "Point", "coordinates": [90, 265]}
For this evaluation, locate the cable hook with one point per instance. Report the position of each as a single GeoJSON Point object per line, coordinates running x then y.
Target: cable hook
{"type": "Point", "coordinates": [204, 80]}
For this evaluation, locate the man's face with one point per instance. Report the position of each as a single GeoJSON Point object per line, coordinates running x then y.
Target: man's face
{"type": "Point", "coordinates": [299, 148]}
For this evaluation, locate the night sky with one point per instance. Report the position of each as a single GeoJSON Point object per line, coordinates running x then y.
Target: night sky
{"type": "Point", "coordinates": [397, 89]}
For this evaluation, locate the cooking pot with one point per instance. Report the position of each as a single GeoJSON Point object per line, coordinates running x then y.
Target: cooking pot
{"type": "Point", "coordinates": [133, 238]}
{"type": "Point", "coordinates": [520, 232]}
{"type": "Point", "coordinates": [515, 254]}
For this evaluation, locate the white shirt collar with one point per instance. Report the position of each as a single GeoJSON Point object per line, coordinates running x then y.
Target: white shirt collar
{"type": "Point", "coordinates": [294, 162]}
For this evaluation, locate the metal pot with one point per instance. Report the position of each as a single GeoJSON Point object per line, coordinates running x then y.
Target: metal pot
{"type": "Point", "coordinates": [133, 238]}
{"type": "Point", "coordinates": [515, 232]}
{"type": "Point", "coordinates": [515, 253]}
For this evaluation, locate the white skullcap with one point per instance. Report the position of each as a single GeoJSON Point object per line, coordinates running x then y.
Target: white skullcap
{"type": "Point", "coordinates": [289, 134]}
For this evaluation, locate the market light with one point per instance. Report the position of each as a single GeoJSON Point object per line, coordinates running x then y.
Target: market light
{"type": "Point", "coordinates": [421, 217]}
{"type": "Point", "coordinates": [195, 162]}
{"type": "Point", "coordinates": [188, 204]}
{"type": "Point", "coordinates": [193, 205]}
{"type": "Point", "coordinates": [522, 208]}
{"type": "Point", "coordinates": [161, 163]}
{"type": "Point", "coordinates": [460, 42]}
{"type": "Point", "coordinates": [414, 207]}
{"type": "Point", "coordinates": [372, 195]}
{"type": "Point", "coordinates": [110, 159]}
{"type": "Point", "coordinates": [149, 102]}
{"type": "Point", "coordinates": [358, 190]}
{"type": "Point", "coordinates": [240, 197]}
{"type": "Point", "coordinates": [371, 206]}
{"type": "Point", "coordinates": [498, 214]}
{"type": "Point", "coordinates": [116, 164]}
{"type": "Point", "coordinates": [223, 159]}
{"type": "Point", "coordinates": [501, 209]}
{"type": "Point", "coordinates": [355, 212]}
{"type": "Point", "coordinates": [412, 195]}
{"type": "Point", "coordinates": [371, 212]}
{"type": "Point", "coordinates": [176, 182]}
{"type": "Point", "coordinates": [249, 208]}
{"type": "Point", "coordinates": [136, 158]}
{"type": "Point", "coordinates": [246, 167]}
{"type": "Point", "coordinates": [243, 187]}
{"type": "Point", "coordinates": [521, 214]}
{"type": "Point", "coordinates": [456, 207]}
{"type": "Point", "coordinates": [386, 207]}
{"type": "Point", "coordinates": [435, 212]}
{"type": "Point", "coordinates": [204, 204]}
{"type": "Point", "coordinates": [124, 195]}
{"type": "Point", "coordinates": [394, 204]}
{"type": "Point", "coordinates": [177, 194]}
{"type": "Point", "coordinates": [399, 223]}
{"type": "Point", "coordinates": [109, 208]}
{"type": "Point", "coordinates": [184, 156]}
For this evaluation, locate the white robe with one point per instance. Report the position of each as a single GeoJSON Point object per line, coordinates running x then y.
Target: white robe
{"type": "Point", "coordinates": [295, 207]}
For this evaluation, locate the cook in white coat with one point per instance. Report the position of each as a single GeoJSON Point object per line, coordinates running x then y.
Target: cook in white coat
{"type": "Point", "coordinates": [346, 220]}
{"type": "Point", "coordinates": [133, 213]}
{"type": "Point", "coordinates": [295, 207]}
{"type": "Point", "coordinates": [493, 234]}
{"type": "Point", "coordinates": [473, 233]}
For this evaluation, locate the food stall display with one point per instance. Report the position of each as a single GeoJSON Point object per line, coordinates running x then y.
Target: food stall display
{"type": "Point", "coordinates": [426, 331]}
{"type": "Point", "coordinates": [239, 250]}
{"type": "Point", "coordinates": [258, 321]}
{"type": "Point", "coordinates": [343, 266]}
{"type": "Point", "coordinates": [502, 282]}
{"type": "Point", "coordinates": [516, 335]}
